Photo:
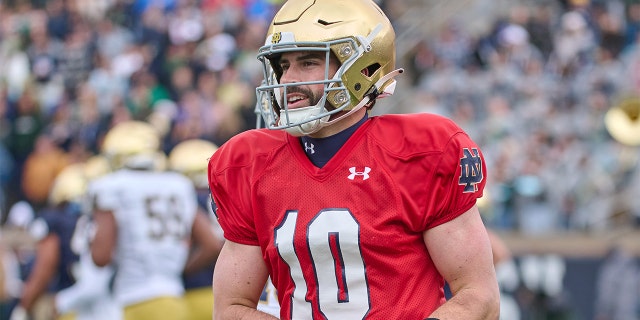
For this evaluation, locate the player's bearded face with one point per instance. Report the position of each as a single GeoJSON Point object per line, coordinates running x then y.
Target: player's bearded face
{"type": "Point", "coordinates": [298, 69]}
{"type": "Point", "coordinates": [312, 97]}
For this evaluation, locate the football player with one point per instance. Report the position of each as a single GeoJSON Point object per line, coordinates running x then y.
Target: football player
{"type": "Point", "coordinates": [145, 218]}
{"type": "Point", "coordinates": [352, 216]}
{"type": "Point", "coordinates": [90, 297]}
{"type": "Point", "coordinates": [190, 157]}
{"type": "Point", "coordinates": [55, 259]}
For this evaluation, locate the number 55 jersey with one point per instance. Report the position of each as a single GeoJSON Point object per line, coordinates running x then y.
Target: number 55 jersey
{"type": "Point", "coordinates": [345, 241]}
{"type": "Point", "coordinates": [154, 212]}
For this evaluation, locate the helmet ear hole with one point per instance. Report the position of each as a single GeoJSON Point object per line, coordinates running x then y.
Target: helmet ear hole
{"type": "Point", "coordinates": [371, 69]}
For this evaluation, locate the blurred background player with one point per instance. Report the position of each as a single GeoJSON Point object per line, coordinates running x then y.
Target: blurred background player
{"type": "Point", "coordinates": [55, 261]}
{"type": "Point", "coordinates": [89, 298]}
{"type": "Point", "coordinates": [190, 158]}
{"type": "Point", "coordinates": [145, 218]}
{"type": "Point", "coordinates": [18, 254]}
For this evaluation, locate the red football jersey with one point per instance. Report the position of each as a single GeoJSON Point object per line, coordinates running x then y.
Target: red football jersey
{"type": "Point", "coordinates": [345, 241]}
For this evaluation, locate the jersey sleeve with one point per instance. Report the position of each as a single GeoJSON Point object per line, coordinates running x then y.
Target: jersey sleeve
{"type": "Point", "coordinates": [102, 196]}
{"type": "Point", "coordinates": [47, 222]}
{"type": "Point", "coordinates": [232, 168]}
{"type": "Point", "coordinates": [459, 178]}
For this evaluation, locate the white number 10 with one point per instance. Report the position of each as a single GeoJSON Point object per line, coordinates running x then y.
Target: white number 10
{"type": "Point", "coordinates": [333, 242]}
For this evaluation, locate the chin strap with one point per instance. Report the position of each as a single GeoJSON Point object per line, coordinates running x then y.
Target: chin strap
{"type": "Point", "coordinates": [386, 86]}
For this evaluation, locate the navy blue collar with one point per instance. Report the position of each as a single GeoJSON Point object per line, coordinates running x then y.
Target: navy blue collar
{"type": "Point", "coordinates": [321, 150]}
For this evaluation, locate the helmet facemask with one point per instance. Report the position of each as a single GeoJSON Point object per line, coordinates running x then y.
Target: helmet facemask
{"type": "Point", "coordinates": [301, 121]}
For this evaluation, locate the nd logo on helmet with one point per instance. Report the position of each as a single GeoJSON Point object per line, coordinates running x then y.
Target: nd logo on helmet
{"type": "Point", "coordinates": [276, 37]}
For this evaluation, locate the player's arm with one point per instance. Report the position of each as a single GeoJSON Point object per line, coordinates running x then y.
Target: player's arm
{"type": "Point", "coordinates": [238, 280]}
{"type": "Point", "coordinates": [47, 258]}
{"type": "Point", "coordinates": [207, 243]}
{"type": "Point", "coordinates": [104, 240]}
{"type": "Point", "coordinates": [461, 251]}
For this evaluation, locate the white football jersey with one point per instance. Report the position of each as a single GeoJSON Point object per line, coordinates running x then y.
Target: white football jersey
{"type": "Point", "coordinates": [89, 298]}
{"type": "Point", "coordinates": [154, 212]}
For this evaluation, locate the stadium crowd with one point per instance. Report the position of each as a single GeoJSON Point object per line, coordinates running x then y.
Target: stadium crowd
{"type": "Point", "coordinates": [532, 90]}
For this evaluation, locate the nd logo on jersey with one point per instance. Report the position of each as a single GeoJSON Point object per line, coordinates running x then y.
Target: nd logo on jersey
{"type": "Point", "coordinates": [470, 170]}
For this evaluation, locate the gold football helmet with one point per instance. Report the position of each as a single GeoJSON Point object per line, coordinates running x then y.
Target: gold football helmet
{"type": "Point", "coordinates": [133, 144]}
{"type": "Point", "coordinates": [356, 32]}
{"type": "Point", "coordinates": [69, 185]}
{"type": "Point", "coordinates": [623, 121]}
{"type": "Point", "coordinates": [96, 166]}
{"type": "Point", "coordinates": [190, 157]}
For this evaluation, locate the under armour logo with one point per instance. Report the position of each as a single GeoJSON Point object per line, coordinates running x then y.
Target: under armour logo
{"type": "Point", "coordinates": [308, 148]}
{"type": "Point", "coordinates": [471, 170]}
{"type": "Point", "coordinates": [354, 173]}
